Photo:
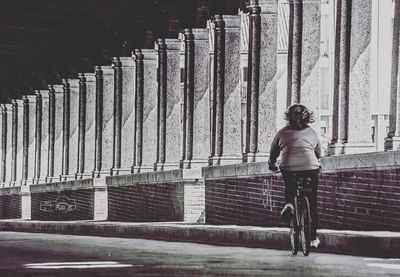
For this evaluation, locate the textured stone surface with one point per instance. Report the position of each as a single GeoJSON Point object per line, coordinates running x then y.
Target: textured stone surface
{"type": "Point", "coordinates": [232, 148]}
{"type": "Point", "coordinates": [173, 132]}
{"type": "Point", "coordinates": [267, 103]}
{"type": "Point", "coordinates": [73, 131]}
{"type": "Point", "coordinates": [90, 126]}
{"type": "Point", "coordinates": [359, 87]}
{"type": "Point", "coordinates": [58, 131]}
{"type": "Point", "coordinates": [149, 109]}
{"type": "Point", "coordinates": [128, 112]}
{"type": "Point", "coordinates": [31, 137]}
{"type": "Point", "coordinates": [108, 117]}
{"type": "Point", "coordinates": [201, 118]}
{"type": "Point", "coordinates": [45, 136]}
{"type": "Point", "coordinates": [310, 69]}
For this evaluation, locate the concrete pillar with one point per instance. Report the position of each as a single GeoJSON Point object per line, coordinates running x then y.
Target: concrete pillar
{"type": "Point", "coordinates": [149, 111]}
{"type": "Point", "coordinates": [66, 128]}
{"type": "Point", "coordinates": [138, 137]}
{"type": "Point", "coordinates": [117, 114]}
{"type": "Point", "coordinates": [104, 120]}
{"type": "Point", "coordinates": [18, 133]}
{"type": "Point", "coordinates": [353, 90]}
{"type": "Point", "coordinates": [196, 99]}
{"type": "Point", "coordinates": [124, 84]}
{"type": "Point", "coordinates": [29, 139]}
{"type": "Point", "coordinates": [9, 138]}
{"type": "Point", "coordinates": [26, 203]}
{"type": "Point", "coordinates": [55, 133]}
{"type": "Point", "coordinates": [3, 144]}
{"type": "Point", "coordinates": [87, 109]}
{"type": "Point", "coordinates": [392, 141]}
{"type": "Point", "coordinates": [303, 54]}
{"type": "Point", "coordinates": [42, 136]}
{"type": "Point", "coordinates": [73, 129]}
{"type": "Point", "coordinates": [294, 51]}
{"type": "Point", "coordinates": [261, 79]}
{"type": "Point", "coordinates": [169, 96]}
{"type": "Point", "coordinates": [226, 147]}
{"type": "Point", "coordinates": [14, 139]}
{"type": "Point", "coordinates": [70, 128]}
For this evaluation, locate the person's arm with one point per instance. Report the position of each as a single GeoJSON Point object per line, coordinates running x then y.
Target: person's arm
{"type": "Point", "coordinates": [317, 149]}
{"type": "Point", "coordinates": [274, 153]}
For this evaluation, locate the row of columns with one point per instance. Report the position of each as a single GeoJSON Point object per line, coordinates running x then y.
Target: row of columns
{"type": "Point", "coordinates": [134, 116]}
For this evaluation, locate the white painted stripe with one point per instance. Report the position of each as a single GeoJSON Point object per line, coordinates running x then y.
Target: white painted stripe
{"type": "Point", "coordinates": [386, 266]}
{"type": "Point", "coordinates": [75, 263]}
{"type": "Point", "coordinates": [381, 259]}
{"type": "Point", "coordinates": [78, 266]}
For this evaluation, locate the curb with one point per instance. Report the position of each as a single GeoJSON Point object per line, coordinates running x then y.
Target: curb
{"type": "Point", "coordinates": [371, 244]}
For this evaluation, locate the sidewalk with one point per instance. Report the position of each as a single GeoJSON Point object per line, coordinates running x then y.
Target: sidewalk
{"type": "Point", "coordinates": [373, 244]}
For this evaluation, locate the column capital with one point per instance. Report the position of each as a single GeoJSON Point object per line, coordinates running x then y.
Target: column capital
{"type": "Point", "coordinates": [65, 84]}
{"type": "Point", "coordinates": [219, 23]}
{"type": "Point", "coordinates": [116, 62]}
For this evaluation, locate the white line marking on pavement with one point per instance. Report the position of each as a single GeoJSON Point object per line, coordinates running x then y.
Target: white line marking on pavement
{"type": "Point", "coordinates": [381, 259]}
{"type": "Point", "coordinates": [78, 265]}
{"type": "Point", "coordinates": [386, 266]}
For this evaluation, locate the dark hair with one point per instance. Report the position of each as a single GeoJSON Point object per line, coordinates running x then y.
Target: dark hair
{"type": "Point", "coordinates": [298, 116]}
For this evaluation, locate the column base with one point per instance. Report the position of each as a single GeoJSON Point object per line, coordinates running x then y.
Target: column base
{"type": "Point", "coordinates": [101, 173]}
{"type": "Point", "coordinates": [165, 166]}
{"type": "Point", "coordinates": [392, 143]}
{"type": "Point", "coordinates": [351, 148]}
{"type": "Point", "coordinates": [27, 182]}
{"type": "Point", "coordinates": [120, 171]}
{"type": "Point", "coordinates": [85, 175]}
{"type": "Point", "coordinates": [37, 181]}
{"type": "Point", "coordinates": [255, 157]}
{"type": "Point", "coordinates": [7, 184]}
{"type": "Point", "coordinates": [142, 169]}
{"type": "Point", "coordinates": [15, 183]}
{"type": "Point", "coordinates": [224, 160]}
{"type": "Point", "coordinates": [189, 164]}
{"type": "Point", "coordinates": [51, 179]}
{"type": "Point", "coordinates": [67, 177]}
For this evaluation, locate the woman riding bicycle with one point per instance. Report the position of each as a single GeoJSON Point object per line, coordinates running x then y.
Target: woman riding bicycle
{"type": "Point", "coordinates": [301, 151]}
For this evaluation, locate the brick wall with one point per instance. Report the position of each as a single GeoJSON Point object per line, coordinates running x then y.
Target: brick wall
{"type": "Point", "coordinates": [10, 206]}
{"type": "Point", "coordinates": [82, 197]}
{"type": "Point", "coordinates": [146, 203]}
{"type": "Point", "coordinates": [354, 193]}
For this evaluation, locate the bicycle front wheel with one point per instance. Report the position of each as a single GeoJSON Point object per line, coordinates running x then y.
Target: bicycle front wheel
{"type": "Point", "coordinates": [305, 226]}
{"type": "Point", "coordinates": [294, 236]}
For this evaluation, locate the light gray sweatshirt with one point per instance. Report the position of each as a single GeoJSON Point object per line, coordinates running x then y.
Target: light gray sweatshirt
{"type": "Point", "coordinates": [300, 149]}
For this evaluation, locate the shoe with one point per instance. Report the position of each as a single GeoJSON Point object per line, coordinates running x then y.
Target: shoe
{"type": "Point", "coordinates": [314, 243]}
{"type": "Point", "coordinates": [287, 213]}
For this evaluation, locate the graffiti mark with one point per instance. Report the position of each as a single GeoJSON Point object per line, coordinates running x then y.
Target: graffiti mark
{"type": "Point", "coordinates": [267, 194]}
{"type": "Point", "coordinates": [62, 204]}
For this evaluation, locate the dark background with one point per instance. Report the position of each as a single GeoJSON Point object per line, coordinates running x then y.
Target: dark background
{"type": "Point", "coordinates": [42, 41]}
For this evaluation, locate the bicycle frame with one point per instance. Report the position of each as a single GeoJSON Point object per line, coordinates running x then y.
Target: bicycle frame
{"type": "Point", "coordinates": [301, 222]}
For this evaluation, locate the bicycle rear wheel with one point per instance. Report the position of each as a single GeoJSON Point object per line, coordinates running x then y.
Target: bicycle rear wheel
{"type": "Point", "coordinates": [305, 226]}
{"type": "Point", "coordinates": [294, 236]}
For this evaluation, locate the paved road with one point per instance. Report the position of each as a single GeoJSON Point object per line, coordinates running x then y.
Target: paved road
{"type": "Point", "coordinates": [28, 254]}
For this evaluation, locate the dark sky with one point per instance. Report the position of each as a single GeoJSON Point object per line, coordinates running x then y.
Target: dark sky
{"type": "Point", "coordinates": [42, 41]}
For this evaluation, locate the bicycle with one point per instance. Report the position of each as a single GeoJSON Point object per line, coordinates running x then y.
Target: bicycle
{"type": "Point", "coordinates": [300, 224]}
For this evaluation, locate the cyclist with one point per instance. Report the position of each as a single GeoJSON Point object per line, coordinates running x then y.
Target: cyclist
{"type": "Point", "coordinates": [301, 150]}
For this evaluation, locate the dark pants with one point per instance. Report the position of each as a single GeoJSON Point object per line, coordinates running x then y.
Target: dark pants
{"type": "Point", "coordinates": [289, 178]}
